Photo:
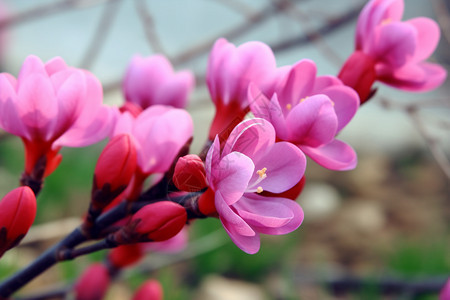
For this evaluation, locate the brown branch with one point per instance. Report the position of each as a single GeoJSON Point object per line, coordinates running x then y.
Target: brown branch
{"type": "Point", "coordinates": [443, 17]}
{"type": "Point", "coordinates": [238, 7]}
{"type": "Point", "coordinates": [149, 27]}
{"type": "Point", "coordinates": [98, 40]}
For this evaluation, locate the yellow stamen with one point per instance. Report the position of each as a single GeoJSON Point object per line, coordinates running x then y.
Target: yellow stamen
{"type": "Point", "coordinates": [288, 106]}
{"type": "Point", "coordinates": [303, 99]}
{"type": "Point", "coordinates": [262, 173]}
{"type": "Point", "coordinates": [259, 190]}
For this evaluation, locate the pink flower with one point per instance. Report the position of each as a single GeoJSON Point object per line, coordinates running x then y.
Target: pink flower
{"type": "Point", "coordinates": [52, 105]}
{"type": "Point", "coordinates": [149, 290]}
{"type": "Point", "coordinates": [309, 112]}
{"type": "Point", "coordinates": [93, 283]}
{"type": "Point", "coordinates": [230, 70]}
{"type": "Point", "coordinates": [250, 163]}
{"type": "Point", "coordinates": [159, 133]}
{"type": "Point", "coordinates": [395, 49]}
{"type": "Point", "coordinates": [151, 80]}
{"type": "Point", "coordinates": [445, 292]}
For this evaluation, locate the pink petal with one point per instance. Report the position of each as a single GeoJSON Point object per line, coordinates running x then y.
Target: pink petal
{"type": "Point", "coordinates": [269, 110]}
{"type": "Point", "coordinates": [428, 34]}
{"type": "Point", "coordinates": [55, 65]}
{"type": "Point", "coordinates": [37, 105]}
{"type": "Point", "coordinates": [175, 92]}
{"type": "Point", "coordinates": [271, 215]}
{"type": "Point", "coordinates": [323, 82]}
{"type": "Point", "coordinates": [231, 176]}
{"type": "Point", "coordinates": [9, 118]}
{"type": "Point", "coordinates": [336, 155]}
{"type": "Point", "coordinates": [420, 77]}
{"type": "Point", "coordinates": [31, 66]}
{"type": "Point", "coordinates": [346, 103]}
{"type": "Point", "coordinates": [393, 44]}
{"type": "Point", "coordinates": [250, 137]}
{"type": "Point", "coordinates": [298, 83]}
{"type": "Point", "coordinates": [313, 122]}
{"type": "Point", "coordinates": [285, 165]}
{"type": "Point", "coordinates": [229, 217]}
{"type": "Point", "coordinates": [373, 14]}
{"type": "Point", "coordinates": [212, 159]}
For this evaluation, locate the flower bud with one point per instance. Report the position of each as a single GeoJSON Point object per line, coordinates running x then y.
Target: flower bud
{"type": "Point", "coordinates": [154, 222]}
{"type": "Point", "coordinates": [190, 174]}
{"type": "Point", "coordinates": [206, 203]}
{"type": "Point", "coordinates": [359, 73]}
{"type": "Point", "coordinates": [93, 283]}
{"type": "Point", "coordinates": [149, 290]}
{"type": "Point", "coordinates": [17, 213]}
{"type": "Point", "coordinates": [126, 255]}
{"type": "Point", "coordinates": [114, 170]}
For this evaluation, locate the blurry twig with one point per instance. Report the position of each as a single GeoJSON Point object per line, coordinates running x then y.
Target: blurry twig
{"type": "Point", "coordinates": [412, 110]}
{"type": "Point", "coordinates": [443, 17]}
{"type": "Point", "coordinates": [149, 27]}
{"type": "Point", "coordinates": [238, 7]}
{"type": "Point", "coordinates": [103, 28]}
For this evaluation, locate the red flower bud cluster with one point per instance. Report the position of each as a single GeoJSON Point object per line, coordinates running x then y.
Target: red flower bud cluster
{"type": "Point", "coordinates": [190, 174]}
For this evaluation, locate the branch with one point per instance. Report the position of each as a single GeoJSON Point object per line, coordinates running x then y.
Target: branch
{"type": "Point", "coordinates": [149, 27]}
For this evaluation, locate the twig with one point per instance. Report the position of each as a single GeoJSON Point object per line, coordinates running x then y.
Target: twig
{"type": "Point", "coordinates": [443, 17]}
{"type": "Point", "coordinates": [149, 27]}
{"type": "Point", "coordinates": [238, 7]}
{"type": "Point", "coordinates": [103, 28]}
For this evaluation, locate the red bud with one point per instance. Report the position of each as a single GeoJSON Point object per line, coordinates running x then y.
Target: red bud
{"type": "Point", "coordinates": [126, 255]}
{"type": "Point", "coordinates": [190, 174]}
{"type": "Point", "coordinates": [359, 73]}
{"type": "Point", "coordinates": [206, 203]}
{"type": "Point", "coordinates": [160, 221]}
{"type": "Point", "coordinates": [17, 213]}
{"type": "Point", "coordinates": [150, 290]}
{"type": "Point", "coordinates": [114, 170]}
{"type": "Point", "coordinates": [93, 283]}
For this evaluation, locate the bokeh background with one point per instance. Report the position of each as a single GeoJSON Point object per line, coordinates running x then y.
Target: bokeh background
{"type": "Point", "coordinates": [387, 221]}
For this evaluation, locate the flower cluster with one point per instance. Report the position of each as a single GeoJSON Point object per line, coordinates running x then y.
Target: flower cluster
{"type": "Point", "coordinates": [147, 186]}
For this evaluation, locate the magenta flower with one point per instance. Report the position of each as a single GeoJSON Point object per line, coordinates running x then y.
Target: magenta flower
{"type": "Point", "coordinates": [395, 50]}
{"type": "Point", "coordinates": [52, 105]}
{"type": "Point", "coordinates": [230, 70]}
{"type": "Point", "coordinates": [159, 133]}
{"type": "Point", "coordinates": [251, 163]}
{"type": "Point", "coordinates": [309, 112]}
{"type": "Point", "coordinates": [151, 80]}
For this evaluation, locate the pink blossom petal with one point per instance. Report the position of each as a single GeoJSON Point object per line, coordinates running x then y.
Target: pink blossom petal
{"type": "Point", "coordinates": [313, 122]}
{"type": "Point", "coordinates": [37, 105]}
{"type": "Point", "coordinates": [420, 77]}
{"type": "Point", "coordinates": [373, 14]}
{"type": "Point", "coordinates": [336, 155]}
{"type": "Point", "coordinates": [428, 34]}
{"type": "Point", "coordinates": [31, 66]}
{"type": "Point", "coordinates": [9, 118]}
{"type": "Point", "coordinates": [212, 159]}
{"type": "Point", "coordinates": [250, 137]}
{"type": "Point", "coordinates": [230, 219]}
{"type": "Point", "coordinates": [232, 175]}
{"type": "Point", "coordinates": [175, 91]}
{"type": "Point", "coordinates": [346, 103]}
{"type": "Point", "coordinates": [269, 110]}
{"type": "Point", "coordinates": [285, 165]}
{"type": "Point", "coordinates": [393, 44]}
{"type": "Point", "coordinates": [271, 215]}
{"type": "Point", "coordinates": [323, 82]}
{"type": "Point", "coordinates": [298, 83]}
{"type": "Point", "coordinates": [55, 65]}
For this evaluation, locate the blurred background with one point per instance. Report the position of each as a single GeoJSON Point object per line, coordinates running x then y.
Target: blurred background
{"type": "Point", "coordinates": [376, 232]}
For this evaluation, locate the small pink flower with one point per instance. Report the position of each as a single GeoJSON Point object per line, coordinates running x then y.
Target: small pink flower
{"type": "Point", "coordinates": [151, 80]}
{"type": "Point", "coordinates": [250, 163]}
{"type": "Point", "coordinates": [396, 49]}
{"type": "Point", "coordinates": [445, 292]}
{"type": "Point", "coordinates": [230, 70]}
{"type": "Point", "coordinates": [52, 105]}
{"type": "Point", "coordinates": [309, 112]}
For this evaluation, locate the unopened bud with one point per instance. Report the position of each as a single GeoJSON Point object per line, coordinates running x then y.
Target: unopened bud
{"type": "Point", "coordinates": [359, 73]}
{"type": "Point", "coordinates": [206, 203]}
{"type": "Point", "coordinates": [149, 290]}
{"type": "Point", "coordinates": [190, 174]}
{"type": "Point", "coordinates": [154, 222]}
{"type": "Point", "coordinates": [126, 255]}
{"type": "Point", "coordinates": [93, 283]}
{"type": "Point", "coordinates": [114, 170]}
{"type": "Point", "coordinates": [17, 213]}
